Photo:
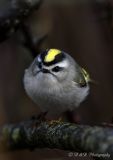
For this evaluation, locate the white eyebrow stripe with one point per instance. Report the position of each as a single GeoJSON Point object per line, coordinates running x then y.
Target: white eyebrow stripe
{"type": "Point", "coordinates": [62, 64]}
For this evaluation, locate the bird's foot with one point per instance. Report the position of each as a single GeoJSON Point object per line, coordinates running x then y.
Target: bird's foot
{"type": "Point", "coordinates": [56, 121]}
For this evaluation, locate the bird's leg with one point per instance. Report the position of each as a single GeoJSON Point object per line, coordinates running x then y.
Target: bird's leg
{"type": "Point", "coordinates": [40, 117]}
{"type": "Point", "coordinates": [73, 117]}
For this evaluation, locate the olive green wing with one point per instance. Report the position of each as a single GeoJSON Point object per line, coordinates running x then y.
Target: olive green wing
{"type": "Point", "coordinates": [82, 77]}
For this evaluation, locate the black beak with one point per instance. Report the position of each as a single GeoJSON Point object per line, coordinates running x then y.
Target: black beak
{"type": "Point", "coordinates": [45, 70]}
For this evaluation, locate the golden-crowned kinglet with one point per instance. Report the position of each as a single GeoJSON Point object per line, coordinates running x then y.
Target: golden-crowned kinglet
{"type": "Point", "coordinates": [56, 82]}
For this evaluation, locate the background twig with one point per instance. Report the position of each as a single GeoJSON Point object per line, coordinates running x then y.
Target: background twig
{"type": "Point", "coordinates": [13, 13]}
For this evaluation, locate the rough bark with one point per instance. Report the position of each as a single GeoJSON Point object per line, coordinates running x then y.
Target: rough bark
{"type": "Point", "coordinates": [61, 135]}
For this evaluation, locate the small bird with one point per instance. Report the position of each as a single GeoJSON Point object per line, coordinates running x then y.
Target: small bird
{"type": "Point", "coordinates": [56, 83]}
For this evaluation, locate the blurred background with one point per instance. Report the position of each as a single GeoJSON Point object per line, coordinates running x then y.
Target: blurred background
{"type": "Point", "coordinates": [80, 27]}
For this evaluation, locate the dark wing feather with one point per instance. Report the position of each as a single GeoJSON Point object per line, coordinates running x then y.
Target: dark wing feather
{"type": "Point", "coordinates": [82, 77]}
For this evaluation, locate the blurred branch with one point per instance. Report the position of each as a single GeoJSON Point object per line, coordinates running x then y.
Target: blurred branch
{"type": "Point", "coordinates": [13, 13]}
{"type": "Point", "coordinates": [104, 10]}
{"type": "Point", "coordinates": [61, 135]}
{"type": "Point", "coordinates": [33, 44]}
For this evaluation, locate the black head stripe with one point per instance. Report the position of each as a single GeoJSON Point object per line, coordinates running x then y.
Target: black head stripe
{"type": "Point", "coordinates": [43, 54]}
{"type": "Point", "coordinates": [58, 58]}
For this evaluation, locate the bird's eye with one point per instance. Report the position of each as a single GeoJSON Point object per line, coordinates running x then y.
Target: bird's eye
{"type": "Point", "coordinates": [40, 65]}
{"type": "Point", "coordinates": [57, 69]}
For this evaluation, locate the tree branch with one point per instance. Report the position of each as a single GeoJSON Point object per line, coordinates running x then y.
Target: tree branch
{"type": "Point", "coordinates": [61, 135]}
{"type": "Point", "coordinates": [13, 13]}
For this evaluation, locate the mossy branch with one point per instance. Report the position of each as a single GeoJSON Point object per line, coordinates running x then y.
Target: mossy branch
{"type": "Point", "coordinates": [61, 135]}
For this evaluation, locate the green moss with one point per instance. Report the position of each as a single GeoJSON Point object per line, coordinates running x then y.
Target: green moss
{"type": "Point", "coordinates": [16, 135]}
{"type": "Point", "coordinates": [6, 131]}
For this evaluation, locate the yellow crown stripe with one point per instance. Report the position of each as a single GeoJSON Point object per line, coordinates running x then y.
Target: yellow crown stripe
{"type": "Point", "coordinates": [51, 55]}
